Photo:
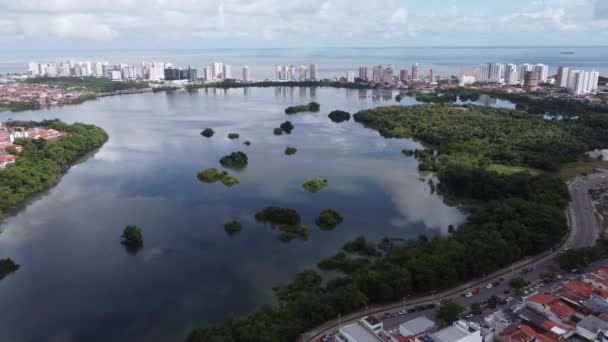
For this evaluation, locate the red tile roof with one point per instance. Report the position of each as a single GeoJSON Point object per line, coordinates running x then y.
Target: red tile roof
{"type": "Point", "coordinates": [541, 298]}
{"type": "Point", "coordinates": [518, 333]}
{"type": "Point", "coordinates": [579, 288]}
{"type": "Point", "coordinates": [401, 338]}
{"type": "Point", "coordinates": [7, 157]}
{"type": "Point", "coordinates": [560, 309]}
{"type": "Point", "coordinates": [604, 316]}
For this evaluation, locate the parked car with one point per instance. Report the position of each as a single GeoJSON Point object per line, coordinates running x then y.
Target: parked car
{"type": "Point", "coordinates": [495, 283]}
{"type": "Point", "coordinates": [430, 306]}
{"type": "Point", "coordinates": [509, 299]}
{"type": "Point", "coordinates": [326, 338]}
{"type": "Point", "coordinates": [411, 310]}
{"type": "Point", "coordinates": [506, 291]}
{"type": "Point", "coordinates": [489, 286]}
{"type": "Point", "coordinates": [475, 292]}
{"type": "Point", "coordinates": [470, 294]}
{"type": "Point", "coordinates": [420, 308]}
{"type": "Point", "coordinates": [469, 315]}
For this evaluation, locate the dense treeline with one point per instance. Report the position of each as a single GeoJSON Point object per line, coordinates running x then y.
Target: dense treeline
{"type": "Point", "coordinates": [91, 84]}
{"type": "Point", "coordinates": [476, 136]}
{"type": "Point", "coordinates": [42, 162]}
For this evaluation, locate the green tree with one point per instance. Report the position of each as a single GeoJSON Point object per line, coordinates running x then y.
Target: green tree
{"type": "Point", "coordinates": [7, 266]}
{"type": "Point", "coordinates": [208, 132]}
{"type": "Point", "coordinates": [518, 284]}
{"type": "Point", "coordinates": [290, 150]}
{"type": "Point", "coordinates": [449, 311]}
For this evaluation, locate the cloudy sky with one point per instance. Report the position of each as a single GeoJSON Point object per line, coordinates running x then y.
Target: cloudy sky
{"type": "Point", "coordinates": [47, 24]}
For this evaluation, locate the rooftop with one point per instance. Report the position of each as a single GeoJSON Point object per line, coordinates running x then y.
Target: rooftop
{"type": "Point", "coordinates": [418, 325]}
{"type": "Point", "coordinates": [578, 287]}
{"type": "Point", "coordinates": [359, 333]}
{"type": "Point", "coordinates": [371, 320]}
{"type": "Point", "coordinates": [449, 334]}
{"type": "Point", "coordinates": [593, 324]}
{"type": "Point", "coordinates": [541, 298]}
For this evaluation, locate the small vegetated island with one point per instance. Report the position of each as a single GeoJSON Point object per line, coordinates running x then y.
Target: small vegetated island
{"type": "Point", "coordinates": [7, 266]}
{"type": "Point", "coordinates": [212, 175]}
{"type": "Point", "coordinates": [287, 220]}
{"type": "Point", "coordinates": [290, 150]}
{"type": "Point", "coordinates": [233, 136]}
{"type": "Point", "coordinates": [315, 184]}
{"type": "Point", "coordinates": [285, 127]}
{"type": "Point", "coordinates": [132, 238]}
{"type": "Point", "coordinates": [235, 160]}
{"type": "Point", "coordinates": [233, 226]}
{"type": "Point", "coordinates": [310, 107]}
{"type": "Point", "coordinates": [338, 116]}
{"type": "Point", "coordinates": [328, 219]}
{"type": "Point", "coordinates": [511, 215]}
{"type": "Point", "coordinates": [208, 132]}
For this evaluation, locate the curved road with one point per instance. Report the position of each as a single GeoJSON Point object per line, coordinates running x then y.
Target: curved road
{"type": "Point", "coordinates": [584, 230]}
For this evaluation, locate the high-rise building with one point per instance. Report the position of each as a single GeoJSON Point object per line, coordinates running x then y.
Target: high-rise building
{"type": "Point", "coordinates": [432, 77]}
{"type": "Point", "coordinates": [542, 72]}
{"type": "Point", "coordinates": [415, 72]}
{"type": "Point", "coordinates": [583, 82]}
{"type": "Point", "coordinates": [521, 71]}
{"type": "Point", "coordinates": [511, 74]}
{"type": "Point", "coordinates": [128, 72]}
{"type": "Point", "coordinates": [291, 73]}
{"type": "Point", "coordinates": [403, 76]}
{"type": "Point", "coordinates": [562, 77]}
{"type": "Point", "coordinates": [246, 76]}
{"type": "Point", "coordinates": [313, 72]}
{"type": "Point", "coordinates": [216, 70]}
{"type": "Point", "coordinates": [492, 72]}
{"type": "Point", "coordinates": [377, 73]}
{"type": "Point", "coordinates": [350, 77]}
{"type": "Point", "coordinates": [32, 69]}
{"type": "Point", "coordinates": [276, 72]}
{"type": "Point", "coordinates": [226, 71]}
{"type": "Point", "coordinates": [172, 74]}
{"type": "Point", "coordinates": [363, 73]}
{"type": "Point", "coordinates": [189, 74]}
{"type": "Point", "coordinates": [302, 72]}
{"type": "Point", "coordinates": [387, 75]}
{"type": "Point", "coordinates": [531, 80]}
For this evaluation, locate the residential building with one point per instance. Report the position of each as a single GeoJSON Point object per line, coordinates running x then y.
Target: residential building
{"type": "Point", "coordinates": [593, 329]}
{"type": "Point", "coordinates": [521, 71]}
{"type": "Point", "coordinates": [302, 73]}
{"type": "Point", "coordinates": [432, 79]}
{"type": "Point", "coordinates": [226, 71]}
{"type": "Point", "coordinates": [460, 331]}
{"type": "Point", "coordinates": [128, 72]}
{"type": "Point", "coordinates": [6, 159]}
{"type": "Point", "coordinates": [313, 72]}
{"type": "Point", "coordinates": [377, 72]}
{"type": "Point", "coordinates": [115, 75]}
{"type": "Point", "coordinates": [466, 80]}
{"type": "Point", "coordinates": [403, 76]}
{"type": "Point", "coordinates": [363, 73]}
{"type": "Point", "coordinates": [542, 72]}
{"type": "Point", "coordinates": [246, 76]}
{"type": "Point", "coordinates": [415, 72]}
{"type": "Point", "coordinates": [531, 81]}
{"type": "Point", "coordinates": [562, 77]}
{"type": "Point", "coordinates": [416, 327]}
{"type": "Point", "coordinates": [492, 72]}
{"type": "Point", "coordinates": [549, 306]}
{"type": "Point", "coordinates": [387, 75]}
{"type": "Point", "coordinates": [189, 74]}
{"type": "Point", "coordinates": [276, 72]}
{"type": "Point", "coordinates": [583, 82]}
{"type": "Point", "coordinates": [350, 77]}
{"type": "Point", "coordinates": [511, 74]}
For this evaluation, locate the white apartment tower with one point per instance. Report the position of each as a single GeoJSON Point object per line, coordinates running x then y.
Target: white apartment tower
{"type": "Point", "coordinates": [246, 76]}
{"type": "Point", "coordinates": [511, 74]}
{"type": "Point", "coordinates": [542, 70]}
{"type": "Point", "coordinates": [313, 72]}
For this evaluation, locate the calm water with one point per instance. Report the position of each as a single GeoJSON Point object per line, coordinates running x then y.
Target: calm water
{"type": "Point", "coordinates": [77, 283]}
{"type": "Point", "coordinates": [332, 61]}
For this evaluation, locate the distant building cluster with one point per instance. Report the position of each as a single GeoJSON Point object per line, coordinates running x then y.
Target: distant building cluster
{"type": "Point", "coordinates": [8, 134]}
{"type": "Point", "coordinates": [290, 73]}
{"type": "Point", "coordinates": [388, 75]}
{"type": "Point", "coordinates": [532, 75]}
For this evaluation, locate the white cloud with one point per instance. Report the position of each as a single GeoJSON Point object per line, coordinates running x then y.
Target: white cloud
{"type": "Point", "coordinates": [231, 23]}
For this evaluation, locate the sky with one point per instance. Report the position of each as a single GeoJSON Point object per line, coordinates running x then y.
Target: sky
{"type": "Point", "coordinates": [102, 24]}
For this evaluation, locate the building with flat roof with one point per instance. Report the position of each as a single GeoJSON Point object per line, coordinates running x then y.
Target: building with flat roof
{"type": "Point", "coordinates": [460, 331]}
{"type": "Point", "coordinates": [592, 329]}
{"type": "Point", "coordinates": [416, 326]}
{"type": "Point", "coordinates": [356, 333]}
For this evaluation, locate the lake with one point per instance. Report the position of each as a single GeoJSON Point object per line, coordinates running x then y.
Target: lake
{"type": "Point", "coordinates": [77, 282]}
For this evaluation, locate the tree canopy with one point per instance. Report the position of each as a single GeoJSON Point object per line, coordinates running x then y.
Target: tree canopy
{"type": "Point", "coordinates": [338, 116]}
{"type": "Point", "coordinates": [208, 132]}
{"type": "Point", "coordinates": [235, 160]}
{"type": "Point", "coordinates": [328, 219]}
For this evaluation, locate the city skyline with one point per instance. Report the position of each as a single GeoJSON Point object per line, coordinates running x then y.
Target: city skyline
{"type": "Point", "coordinates": [59, 24]}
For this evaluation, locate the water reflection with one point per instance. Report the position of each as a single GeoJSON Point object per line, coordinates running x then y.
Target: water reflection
{"type": "Point", "coordinates": [189, 270]}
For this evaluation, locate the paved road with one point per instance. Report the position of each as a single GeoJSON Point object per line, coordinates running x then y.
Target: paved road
{"type": "Point", "coordinates": [583, 232]}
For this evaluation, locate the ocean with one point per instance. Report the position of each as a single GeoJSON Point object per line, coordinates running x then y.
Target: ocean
{"type": "Point", "coordinates": [331, 62]}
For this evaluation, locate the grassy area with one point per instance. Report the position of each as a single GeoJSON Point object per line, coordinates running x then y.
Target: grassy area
{"type": "Point", "coordinates": [580, 168]}
{"type": "Point", "coordinates": [509, 170]}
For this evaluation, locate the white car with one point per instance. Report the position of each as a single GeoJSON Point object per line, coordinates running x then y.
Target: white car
{"type": "Point", "coordinates": [469, 294]}
{"type": "Point", "coordinates": [509, 299]}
